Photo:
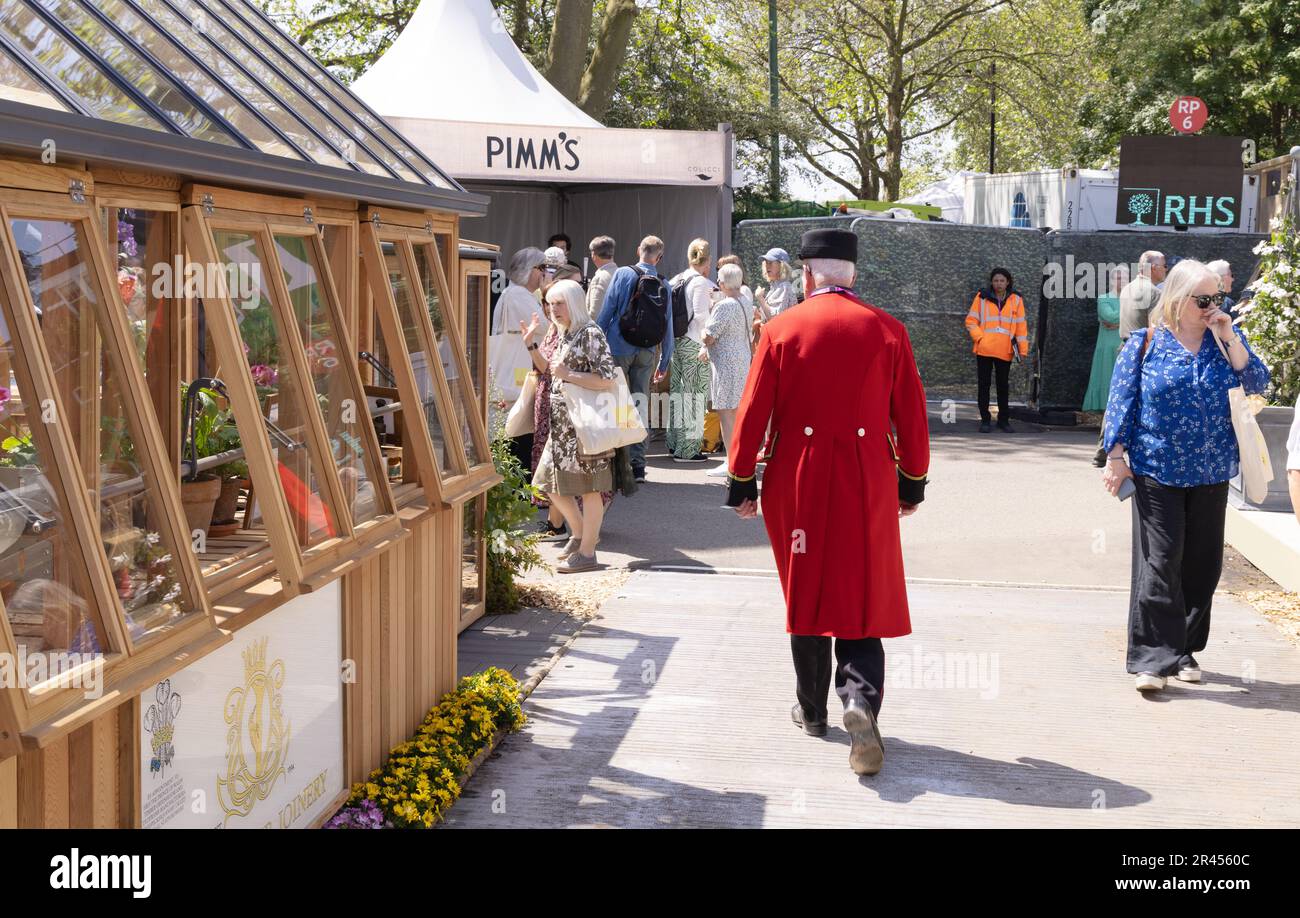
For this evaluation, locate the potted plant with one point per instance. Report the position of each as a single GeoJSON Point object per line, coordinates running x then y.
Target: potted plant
{"type": "Point", "coordinates": [512, 548]}
{"type": "Point", "coordinates": [1271, 319]}
{"type": "Point", "coordinates": [210, 430]}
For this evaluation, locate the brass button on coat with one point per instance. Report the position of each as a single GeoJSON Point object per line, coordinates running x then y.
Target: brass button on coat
{"type": "Point", "coordinates": [808, 431]}
{"type": "Point", "coordinates": [862, 431]}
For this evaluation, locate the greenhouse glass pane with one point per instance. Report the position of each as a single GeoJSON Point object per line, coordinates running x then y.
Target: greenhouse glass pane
{"type": "Point", "coordinates": [76, 73]}
{"type": "Point", "coordinates": [149, 82]}
{"type": "Point", "coordinates": [17, 85]}
{"type": "Point", "coordinates": [283, 54]}
{"type": "Point", "coordinates": [194, 78]}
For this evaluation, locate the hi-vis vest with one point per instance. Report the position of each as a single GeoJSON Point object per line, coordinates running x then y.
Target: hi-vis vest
{"type": "Point", "coordinates": [993, 329]}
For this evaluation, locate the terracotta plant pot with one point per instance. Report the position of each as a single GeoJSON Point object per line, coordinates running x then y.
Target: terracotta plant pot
{"type": "Point", "coordinates": [223, 512]}
{"type": "Point", "coordinates": [199, 497]}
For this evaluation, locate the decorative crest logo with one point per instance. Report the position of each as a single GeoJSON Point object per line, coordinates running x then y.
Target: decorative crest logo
{"type": "Point", "coordinates": [257, 741]}
{"type": "Point", "coordinates": [160, 722]}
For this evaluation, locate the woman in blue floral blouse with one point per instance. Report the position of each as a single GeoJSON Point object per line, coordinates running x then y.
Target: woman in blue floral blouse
{"type": "Point", "coordinates": [1168, 409]}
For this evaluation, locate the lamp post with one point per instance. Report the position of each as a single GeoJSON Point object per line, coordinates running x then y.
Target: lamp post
{"type": "Point", "coordinates": [774, 168]}
{"type": "Point", "coordinates": [993, 116]}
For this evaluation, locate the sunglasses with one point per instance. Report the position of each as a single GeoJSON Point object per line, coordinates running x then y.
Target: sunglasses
{"type": "Point", "coordinates": [1206, 300]}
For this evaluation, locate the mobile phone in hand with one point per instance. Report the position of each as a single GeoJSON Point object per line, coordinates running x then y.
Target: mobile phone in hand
{"type": "Point", "coordinates": [1126, 489]}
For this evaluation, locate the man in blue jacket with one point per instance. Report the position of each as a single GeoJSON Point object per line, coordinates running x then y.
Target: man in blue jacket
{"type": "Point", "coordinates": [637, 362]}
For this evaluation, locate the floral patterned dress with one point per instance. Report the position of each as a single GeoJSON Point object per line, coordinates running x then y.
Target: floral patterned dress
{"type": "Point", "coordinates": [563, 469]}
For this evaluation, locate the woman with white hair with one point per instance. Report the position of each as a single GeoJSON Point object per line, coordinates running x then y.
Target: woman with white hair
{"type": "Point", "coordinates": [1168, 409]}
{"type": "Point", "coordinates": [564, 472]}
{"type": "Point", "coordinates": [726, 348]}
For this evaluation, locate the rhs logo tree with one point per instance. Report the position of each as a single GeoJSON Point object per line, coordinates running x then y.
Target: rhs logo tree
{"type": "Point", "coordinates": [1139, 206]}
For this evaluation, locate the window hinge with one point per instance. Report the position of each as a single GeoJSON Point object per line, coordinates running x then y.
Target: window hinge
{"type": "Point", "coordinates": [428, 227]}
{"type": "Point", "coordinates": [374, 218]}
{"type": "Point", "coordinates": [208, 205]}
{"type": "Point", "coordinates": [77, 191]}
{"type": "Point", "coordinates": [307, 216]}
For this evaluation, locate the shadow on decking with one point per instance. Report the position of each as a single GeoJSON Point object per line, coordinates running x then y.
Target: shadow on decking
{"type": "Point", "coordinates": [579, 785]}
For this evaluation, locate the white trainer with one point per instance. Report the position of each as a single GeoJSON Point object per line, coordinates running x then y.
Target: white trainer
{"type": "Point", "coordinates": [719, 472]}
{"type": "Point", "coordinates": [1190, 673]}
{"type": "Point", "coordinates": [1149, 682]}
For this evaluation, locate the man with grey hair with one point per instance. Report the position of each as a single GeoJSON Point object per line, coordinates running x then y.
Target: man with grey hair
{"type": "Point", "coordinates": [834, 396]}
{"type": "Point", "coordinates": [1226, 280]}
{"type": "Point", "coordinates": [1140, 294]}
{"type": "Point", "coordinates": [602, 256]}
{"type": "Point", "coordinates": [637, 303]}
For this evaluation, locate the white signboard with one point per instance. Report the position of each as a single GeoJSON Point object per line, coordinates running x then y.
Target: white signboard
{"type": "Point", "coordinates": [250, 736]}
{"type": "Point", "coordinates": [522, 152]}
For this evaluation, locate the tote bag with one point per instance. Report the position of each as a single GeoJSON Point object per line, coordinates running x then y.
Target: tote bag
{"type": "Point", "coordinates": [604, 421]}
{"type": "Point", "coordinates": [508, 363]}
{"type": "Point", "coordinates": [520, 419]}
{"type": "Point", "coordinates": [1256, 468]}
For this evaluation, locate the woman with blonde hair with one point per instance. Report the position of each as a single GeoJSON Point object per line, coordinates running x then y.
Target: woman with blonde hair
{"type": "Point", "coordinates": [1168, 410]}
{"type": "Point", "coordinates": [564, 472]}
{"type": "Point", "coordinates": [688, 383]}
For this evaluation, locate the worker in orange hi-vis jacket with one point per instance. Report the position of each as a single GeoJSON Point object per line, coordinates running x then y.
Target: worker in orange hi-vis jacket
{"type": "Point", "coordinates": [847, 456]}
{"type": "Point", "coordinates": [996, 323]}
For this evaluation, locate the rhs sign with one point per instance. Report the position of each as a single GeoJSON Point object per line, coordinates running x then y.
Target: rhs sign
{"type": "Point", "coordinates": [1180, 182]}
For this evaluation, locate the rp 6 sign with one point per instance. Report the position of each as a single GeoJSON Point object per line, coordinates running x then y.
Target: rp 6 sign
{"type": "Point", "coordinates": [1179, 181]}
{"type": "Point", "coordinates": [1187, 114]}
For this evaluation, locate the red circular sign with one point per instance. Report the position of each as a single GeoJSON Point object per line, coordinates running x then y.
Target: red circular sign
{"type": "Point", "coordinates": [1187, 114]}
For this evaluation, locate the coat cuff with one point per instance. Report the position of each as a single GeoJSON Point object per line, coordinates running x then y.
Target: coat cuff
{"type": "Point", "coordinates": [911, 490]}
{"type": "Point", "coordinates": [741, 489]}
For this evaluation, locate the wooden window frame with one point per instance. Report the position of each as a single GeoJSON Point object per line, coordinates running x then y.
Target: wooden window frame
{"type": "Point", "coordinates": [300, 569]}
{"type": "Point", "coordinates": [469, 481]}
{"type": "Point", "coordinates": [52, 711]}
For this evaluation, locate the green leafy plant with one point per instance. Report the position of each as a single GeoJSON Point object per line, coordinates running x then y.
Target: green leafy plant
{"type": "Point", "coordinates": [18, 451]}
{"type": "Point", "coordinates": [215, 432]}
{"type": "Point", "coordinates": [512, 548]}
{"type": "Point", "coordinates": [1271, 317]}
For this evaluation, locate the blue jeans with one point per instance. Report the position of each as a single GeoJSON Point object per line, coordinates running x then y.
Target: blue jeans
{"type": "Point", "coordinates": [638, 367]}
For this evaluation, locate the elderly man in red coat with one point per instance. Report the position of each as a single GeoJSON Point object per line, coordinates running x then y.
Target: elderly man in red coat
{"type": "Point", "coordinates": [835, 390]}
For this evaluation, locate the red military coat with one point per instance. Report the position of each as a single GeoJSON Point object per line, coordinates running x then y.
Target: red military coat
{"type": "Point", "coordinates": [833, 374]}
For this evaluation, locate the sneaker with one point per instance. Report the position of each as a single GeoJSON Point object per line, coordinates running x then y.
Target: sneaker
{"type": "Point", "coordinates": [570, 547]}
{"type": "Point", "coordinates": [698, 457]}
{"type": "Point", "coordinates": [1149, 682]}
{"type": "Point", "coordinates": [578, 562]}
{"type": "Point", "coordinates": [719, 472]}
{"type": "Point", "coordinates": [1005, 427]}
{"type": "Point", "coordinates": [551, 533]}
{"type": "Point", "coordinates": [1189, 672]}
{"type": "Point", "coordinates": [639, 477]}
{"type": "Point", "coordinates": [866, 748]}
{"type": "Point", "coordinates": [986, 427]}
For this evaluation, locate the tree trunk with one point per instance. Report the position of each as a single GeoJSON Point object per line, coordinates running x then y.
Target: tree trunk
{"type": "Point", "coordinates": [520, 34]}
{"type": "Point", "coordinates": [611, 48]}
{"type": "Point", "coordinates": [893, 171]}
{"type": "Point", "coordinates": [566, 56]}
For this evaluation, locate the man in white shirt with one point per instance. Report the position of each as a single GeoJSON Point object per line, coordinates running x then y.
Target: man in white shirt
{"type": "Point", "coordinates": [1293, 461]}
{"type": "Point", "coordinates": [602, 256]}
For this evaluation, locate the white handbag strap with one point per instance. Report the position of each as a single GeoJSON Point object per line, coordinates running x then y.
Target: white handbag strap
{"type": "Point", "coordinates": [1223, 350]}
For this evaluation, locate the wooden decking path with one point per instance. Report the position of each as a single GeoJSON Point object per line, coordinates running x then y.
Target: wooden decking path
{"type": "Point", "coordinates": [1008, 707]}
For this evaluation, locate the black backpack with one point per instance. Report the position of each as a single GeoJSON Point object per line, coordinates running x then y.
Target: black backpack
{"type": "Point", "coordinates": [681, 310]}
{"type": "Point", "coordinates": [645, 320]}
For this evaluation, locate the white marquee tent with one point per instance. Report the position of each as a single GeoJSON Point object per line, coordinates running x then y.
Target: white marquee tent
{"type": "Point", "coordinates": [457, 86]}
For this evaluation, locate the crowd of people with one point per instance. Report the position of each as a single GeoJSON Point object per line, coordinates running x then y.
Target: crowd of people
{"type": "Point", "coordinates": [694, 332]}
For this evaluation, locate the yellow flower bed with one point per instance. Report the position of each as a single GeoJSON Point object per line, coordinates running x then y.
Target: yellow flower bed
{"type": "Point", "coordinates": [419, 782]}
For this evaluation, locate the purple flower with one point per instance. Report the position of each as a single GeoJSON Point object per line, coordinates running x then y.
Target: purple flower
{"type": "Point", "coordinates": [364, 815]}
{"type": "Point", "coordinates": [126, 239]}
{"type": "Point", "coordinates": [264, 375]}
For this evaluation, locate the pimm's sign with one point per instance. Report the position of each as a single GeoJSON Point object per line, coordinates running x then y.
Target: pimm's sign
{"type": "Point", "coordinates": [1179, 181]}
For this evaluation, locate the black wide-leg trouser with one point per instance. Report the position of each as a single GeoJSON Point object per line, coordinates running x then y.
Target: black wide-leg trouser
{"type": "Point", "coordinates": [860, 672]}
{"type": "Point", "coordinates": [1177, 560]}
{"type": "Point", "coordinates": [990, 368]}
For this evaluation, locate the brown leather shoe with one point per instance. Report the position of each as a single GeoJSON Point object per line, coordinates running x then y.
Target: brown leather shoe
{"type": "Point", "coordinates": [867, 749]}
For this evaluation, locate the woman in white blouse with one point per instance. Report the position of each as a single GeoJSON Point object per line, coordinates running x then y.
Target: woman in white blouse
{"type": "Point", "coordinates": [689, 382]}
{"type": "Point", "coordinates": [517, 305]}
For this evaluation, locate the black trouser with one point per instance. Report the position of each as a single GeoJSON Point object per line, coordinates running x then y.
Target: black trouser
{"type": "Point", "coordinates": [860, 673]}
{"type": "Point", "coordinates": [987, 366]}
{"type": "Point", "coordinates": [1177, 559]}
{"type": "Point", "coordinates": [522, 449]}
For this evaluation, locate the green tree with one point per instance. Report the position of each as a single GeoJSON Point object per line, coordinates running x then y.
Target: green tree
{"type": "Point", "coordinates": [1241, 56]}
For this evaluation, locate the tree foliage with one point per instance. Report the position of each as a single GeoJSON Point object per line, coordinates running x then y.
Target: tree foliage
{"type": "Point", "coordinates": [1241, 56]}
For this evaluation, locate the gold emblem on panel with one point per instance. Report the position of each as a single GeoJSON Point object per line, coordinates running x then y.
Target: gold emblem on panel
{"type": "Point", "coordinates": [257, 735]}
